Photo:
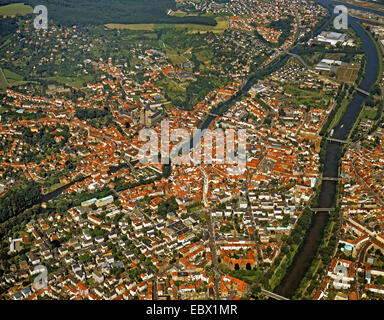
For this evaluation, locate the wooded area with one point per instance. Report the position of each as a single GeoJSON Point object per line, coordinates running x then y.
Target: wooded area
{"type": "Point", "coordinates": [18, 199]}
{"type": "Point", "coordinates": [99, 12]}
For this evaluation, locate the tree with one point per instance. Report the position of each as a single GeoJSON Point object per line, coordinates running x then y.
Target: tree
{"type": "Point", "coordinates": [85, 258]}
{"type": "Point", "coordinates": [256, 289]}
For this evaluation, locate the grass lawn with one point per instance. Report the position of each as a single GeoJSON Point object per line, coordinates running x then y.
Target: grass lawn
{"type": "Point", "coordinates": [15, 9]}
{"type": "Point", "coordinates": [55, 186]}
{"type": "Point", "coordinates": [12, 75]}
{"type": "Point", "coordinates": [307, 97]}
{"type": "Point", "coordinates": [249, 276]}
{"type": "Point", "coordinates": [202, 216]}
{"type": "Point", "coordinates": [3, 80]}
{"type": "Point", "coordinates": [194, 208]}
{"type": "Point", "coordinates": [369, 113]}
{"type": "Point", "coordinates": [13, 78]}
{"type": "Point", "coordinates": [180, 14]}
{"type": "Point", "coordinates": [339, 114]}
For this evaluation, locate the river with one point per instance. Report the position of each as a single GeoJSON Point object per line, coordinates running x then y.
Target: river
{"type": "Point", "coordinates": [306, 253]}
{"type": "Point", "coordinates": [303, 259]}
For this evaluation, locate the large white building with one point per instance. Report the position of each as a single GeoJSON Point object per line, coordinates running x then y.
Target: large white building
{"type": "Point", "coordinates": [332, 38]}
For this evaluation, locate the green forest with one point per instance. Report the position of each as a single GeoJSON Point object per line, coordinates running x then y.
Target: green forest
{"type": "Point", "coordinates": [18, 199]}
{"type": "Point", "coordinates": [99, 12]}
{"type": "Point", "coordinates": [7, 27]}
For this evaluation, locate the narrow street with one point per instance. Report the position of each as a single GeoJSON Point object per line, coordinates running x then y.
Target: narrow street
{"type": "Point", "coordinates": [215, 264]}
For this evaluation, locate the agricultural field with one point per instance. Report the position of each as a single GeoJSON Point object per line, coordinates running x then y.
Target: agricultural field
{"type": "Point", "coordinates": [135, 27]}
{"type": "Point", "coordinates": [348, 73]}
{"type": "Point", "coordinates": [372, 4]}
{"type": "Point", "coordinates": [222, 25]}
{"type": "Point", "coordinates": [334, 56]}
{"type": "Point", "coordinates": [15, 9]}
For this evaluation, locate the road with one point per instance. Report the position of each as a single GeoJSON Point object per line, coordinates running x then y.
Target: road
{"type": "Point", "coordinates": [253, 237]}
{"type": "Point", "coordinates": [300, 59]}
{"type": "Point", "coordinates": [376, 195]}
{"type": "Point", "coordinates": [205, 186]}
{"type": "Point", "coordinates": [215, 264]}
{"type": "Point", "coordinates": [359, 257]}
{"type": "Point", "coordinates": [306, 118]}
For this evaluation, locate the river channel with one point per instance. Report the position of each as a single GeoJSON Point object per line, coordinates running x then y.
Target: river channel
{"type": "Point", "coordinates": [304, 257]}
{"type": "Point", "coordinates": [307, 251]}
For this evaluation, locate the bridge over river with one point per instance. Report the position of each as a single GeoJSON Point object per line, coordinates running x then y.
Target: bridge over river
{"type": "Point", "coordinates": [306, 253]}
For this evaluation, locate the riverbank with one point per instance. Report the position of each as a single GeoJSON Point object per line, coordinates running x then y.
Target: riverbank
{"type": "Point", "coordinates": [305, 256]}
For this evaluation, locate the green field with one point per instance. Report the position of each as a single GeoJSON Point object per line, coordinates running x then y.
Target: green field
{"type": "Point", "coordinates": [175, 58]}
{"type": "Point", "coordinates": [180, 14]}
{"type": "Point", "coordinates": [15, 9]}
{"type": "Point", "coordinates": [135, 27]}
{"type": "Point", "coordinates": [368, 113]}
{"type": "Point", "coordinates": [13, 78]}
{"type": "Point", "coordinates": [204, 55]}
{"type": "Point", "coordinates": [3, 80]}
{"type": "Point", "coordinates": [222, 25]}
{"type": "Point", "coordinates": [339, 113]}
{"type": "Point", "coordinates": [9, 78]}
{"type": "Point", "coordinates": [77, 82]}
{"type": "Point", "coordinates": [307, 97]}
{"type": "Point", "coordinates": [173, 89]}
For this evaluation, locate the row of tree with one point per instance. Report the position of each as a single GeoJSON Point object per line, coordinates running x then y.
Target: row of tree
{"type": "Point", "coordinates": [278, 269]}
